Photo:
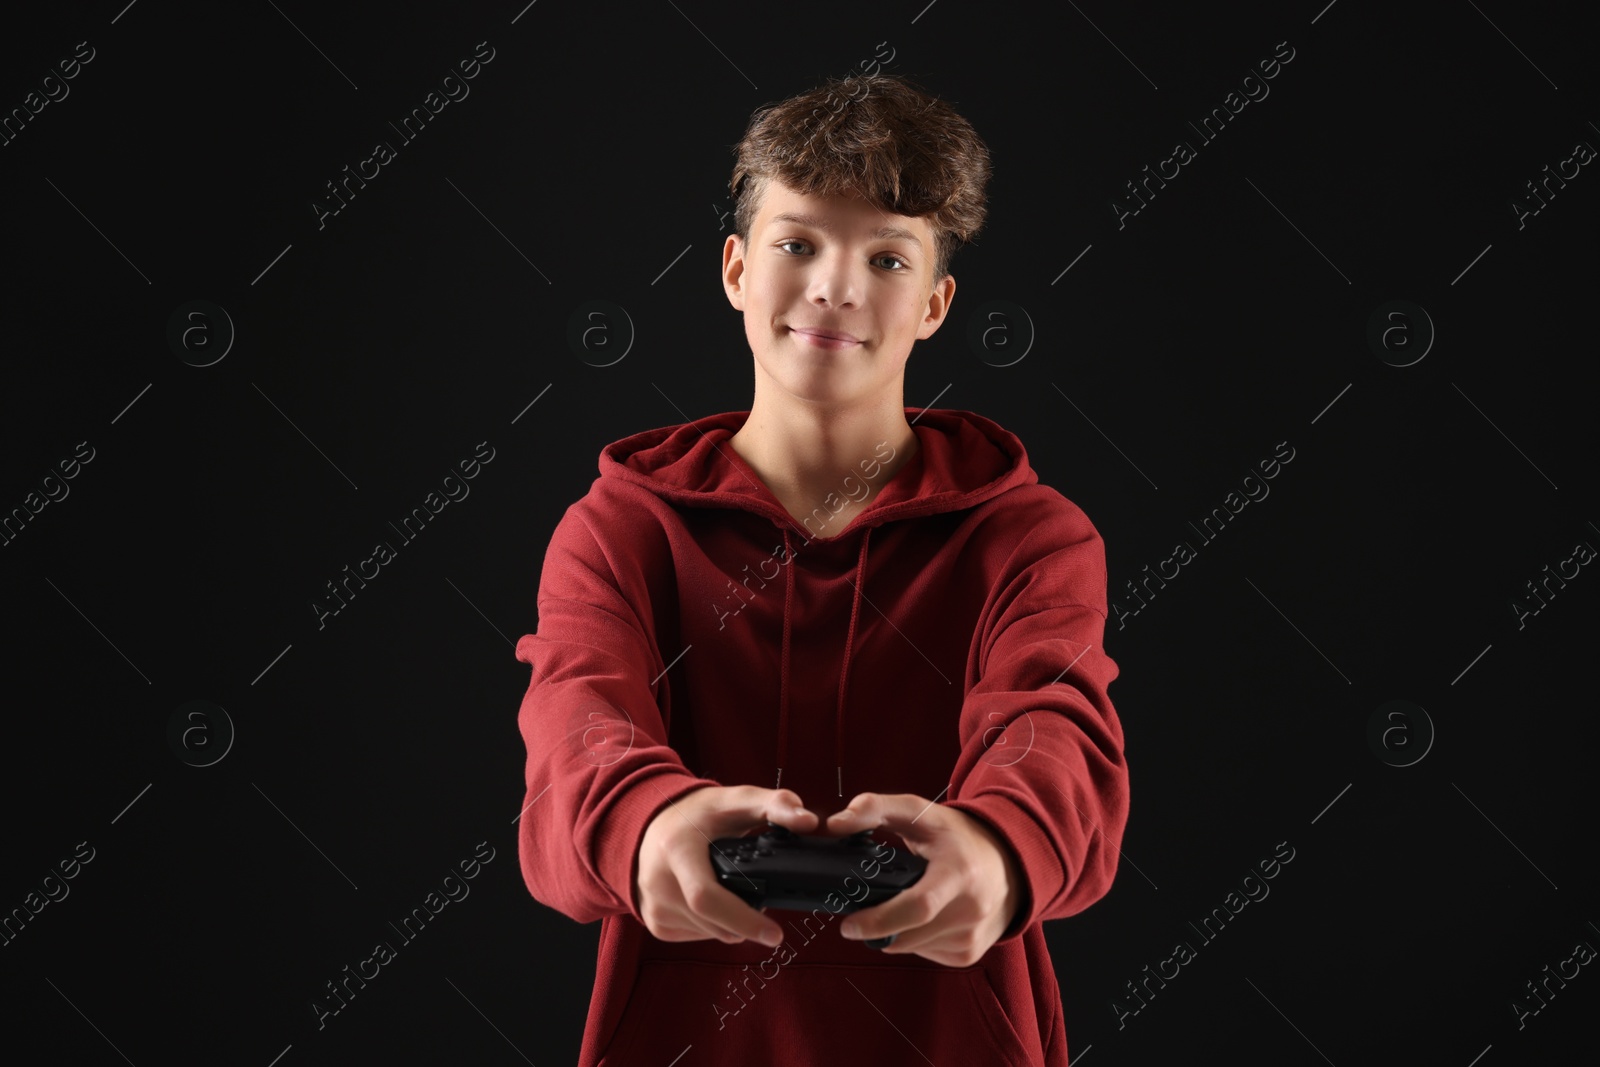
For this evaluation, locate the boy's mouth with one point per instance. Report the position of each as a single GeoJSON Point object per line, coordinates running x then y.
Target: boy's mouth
{"type": "Point", "coordinates": [824, 338]}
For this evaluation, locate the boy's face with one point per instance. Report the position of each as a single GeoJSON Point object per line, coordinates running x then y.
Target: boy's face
{"type": "Point", "coordinates": [834, 273]}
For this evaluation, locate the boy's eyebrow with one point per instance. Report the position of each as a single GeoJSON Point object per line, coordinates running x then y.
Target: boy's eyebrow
{"type": "Point", "coordinates": [827, 227]}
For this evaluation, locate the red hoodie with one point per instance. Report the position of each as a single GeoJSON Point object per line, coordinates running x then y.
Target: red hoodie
{"type": "Point", "coordinates": [945, 642]}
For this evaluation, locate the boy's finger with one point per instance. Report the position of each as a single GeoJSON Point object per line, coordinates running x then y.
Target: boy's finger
{"type": "Point", "coordinates": [784, 807]}
{"type": "Point", "coordinates": [723, 909]}
{"type": "Point", "coordinates": [866, 811]}
{"type": "Point", "coordinates": [932, 893]}
{"type": "Point", "coordinates": [730, 912]}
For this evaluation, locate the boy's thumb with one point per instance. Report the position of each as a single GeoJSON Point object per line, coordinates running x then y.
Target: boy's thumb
{"type": "Point", "coordinates": [786, 802]}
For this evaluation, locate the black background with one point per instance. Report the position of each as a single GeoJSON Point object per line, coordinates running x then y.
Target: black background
{"type": "Point", "coordinates": [591, 161]}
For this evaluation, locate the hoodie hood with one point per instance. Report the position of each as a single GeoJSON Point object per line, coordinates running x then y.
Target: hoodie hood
{"type": "Point", "coordinates": [962, 460]}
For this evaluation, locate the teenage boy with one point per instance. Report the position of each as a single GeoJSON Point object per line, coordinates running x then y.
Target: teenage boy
{"type": "Point", "coordinates": [836, 614]}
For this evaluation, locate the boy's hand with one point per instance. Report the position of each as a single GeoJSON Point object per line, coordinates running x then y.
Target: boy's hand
{"type": "Point", "coordinates": [965, 899]}
{"type": "Point", "coordinates": [679, 896]}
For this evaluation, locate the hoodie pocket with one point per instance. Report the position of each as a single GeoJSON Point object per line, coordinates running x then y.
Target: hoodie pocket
{"type": "Point", "coordinates": [1005, 1033]}
{"type": "Point", "coordinates": [812, 1015]}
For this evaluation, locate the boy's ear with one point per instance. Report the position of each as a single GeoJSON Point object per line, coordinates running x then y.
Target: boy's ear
{"type": "Point", "coordinates": [939, 300]}
{"type": "Point", "coordinates": [733, 270]}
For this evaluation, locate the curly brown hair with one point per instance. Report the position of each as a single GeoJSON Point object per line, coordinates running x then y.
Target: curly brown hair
{"type": "Point", "coordinates": [879, 137]}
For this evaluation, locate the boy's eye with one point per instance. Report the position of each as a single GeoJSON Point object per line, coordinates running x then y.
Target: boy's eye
{"type": "Point", "coordinates": [903, 265]}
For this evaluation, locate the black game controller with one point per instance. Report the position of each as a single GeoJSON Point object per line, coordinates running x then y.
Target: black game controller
{"type": "Point", "coordinates": [782, 869]}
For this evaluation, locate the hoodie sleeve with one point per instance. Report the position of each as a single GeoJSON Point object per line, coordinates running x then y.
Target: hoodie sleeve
{"type": "Point", "coordinates": [599, 767]}
{"type": "Point", "coordinates": [1041, 759]}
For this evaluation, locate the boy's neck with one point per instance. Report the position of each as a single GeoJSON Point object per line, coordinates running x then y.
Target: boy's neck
{"type": "Point", "coordinates": [803, 454]}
